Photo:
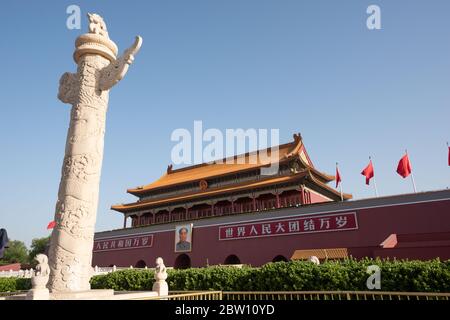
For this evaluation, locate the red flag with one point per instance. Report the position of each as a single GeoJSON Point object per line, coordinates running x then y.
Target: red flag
{"type": "Point", "coordinates": [338, 177]}
{"type": "Point", "coordinates": [51, 225]}
{"type": "Point", "coordinates": [368, 172]}
{"type": "Point", "coordinates": [404, 166]}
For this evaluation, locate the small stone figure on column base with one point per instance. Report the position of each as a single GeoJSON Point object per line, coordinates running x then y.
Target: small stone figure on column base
{"type": "Point", "coordinates": [160, 285]}
{"type": "Point", "coordinates": [39, 280]}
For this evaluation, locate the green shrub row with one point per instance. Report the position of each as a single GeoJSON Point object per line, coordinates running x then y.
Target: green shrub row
{"type": "Point", "coordinates": [14, 284]}
{"type": "Point", "coordinates": [405, 276]}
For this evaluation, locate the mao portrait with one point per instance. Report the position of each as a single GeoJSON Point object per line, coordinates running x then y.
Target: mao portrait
{"type": "Point", "coordinates": [183, 238]}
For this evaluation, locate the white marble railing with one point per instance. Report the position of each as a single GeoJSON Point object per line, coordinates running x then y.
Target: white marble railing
{"type": "Point", "coordinates": [97, 271]}
{"type": "Point", "coordinates": [17, 274]}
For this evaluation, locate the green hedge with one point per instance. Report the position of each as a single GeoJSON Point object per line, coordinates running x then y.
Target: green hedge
{"type": "Point", "coordinates": [14, 284]}
{"type": "Point", "coordinates": [407, 276]}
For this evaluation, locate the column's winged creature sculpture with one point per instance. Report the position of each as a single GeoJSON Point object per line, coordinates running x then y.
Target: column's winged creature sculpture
{"type": "Point", "coordinates": [116, 70]}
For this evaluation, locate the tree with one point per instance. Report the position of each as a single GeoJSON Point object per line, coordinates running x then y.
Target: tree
{"type": "Point", "coordinates": [38, 245]}
{"type": "Point", "coordinates": [16, 252]}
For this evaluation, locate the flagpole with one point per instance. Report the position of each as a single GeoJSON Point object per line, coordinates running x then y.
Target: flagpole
{"type": "Point", "coordinates": [374, 180]}
{"type": "Point", "coordinates": [375, 186]}
{"type": "Point", "coordinates": [448, 153]}
{"type": "Point", "coordinates": [413, 182]}
{"type": "Point", "coordinates": [340, 185]}
{"type": "Point", "coordinates": [448, 149]}
{"type": "Point", "coordinates": [412, 176]}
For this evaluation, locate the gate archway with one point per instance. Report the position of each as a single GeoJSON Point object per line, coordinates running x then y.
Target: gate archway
{"type": "Point", "coordinates": [183, 261]}
{"type": "Point", "coordinates": [140, 264]}
{"type": "Point", "coordinates": [280, 258]}
{"type": "Point", "coordinates": [232, 259]}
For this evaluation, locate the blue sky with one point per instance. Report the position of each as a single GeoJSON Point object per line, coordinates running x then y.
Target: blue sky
{"type": "Point", "coordinates": [299, 66]}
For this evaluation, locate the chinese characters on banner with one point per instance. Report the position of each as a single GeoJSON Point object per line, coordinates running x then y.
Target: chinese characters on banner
{"type": "Point", "coordinates": [306, 224]}
{"type": "Point", "coordinates": [130, 242]}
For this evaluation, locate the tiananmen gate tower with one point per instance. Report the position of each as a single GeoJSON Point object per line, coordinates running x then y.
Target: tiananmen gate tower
{"type": "Point", "coordinates": [233, 212]}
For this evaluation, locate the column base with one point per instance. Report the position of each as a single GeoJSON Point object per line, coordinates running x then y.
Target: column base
{"type": "Point", "coordinates": [82, 295]}
{"type": "Point", "coordinates": [38, 294]}
{"type": "Point", "coordinates": [161, 288]}
{"type": "Point", "coordinates": [105, 294]}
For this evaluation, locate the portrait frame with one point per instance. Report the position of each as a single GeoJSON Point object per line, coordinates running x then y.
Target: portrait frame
{"type": "Point", "coordinates": [186, 246]}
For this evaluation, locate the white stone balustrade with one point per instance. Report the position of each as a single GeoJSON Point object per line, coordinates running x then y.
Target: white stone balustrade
{"type": "Point", "coordinates": [28, 273]}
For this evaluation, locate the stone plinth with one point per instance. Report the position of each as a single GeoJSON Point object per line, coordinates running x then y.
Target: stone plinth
{"type": "Point", "coordinates": [83, 295]}
{"type": "Point", "coordinates": [38, 294]}
{"type": "Point", "coordinates": [161, 288]}
{"type": "Point", "coordinates": [91, 295]}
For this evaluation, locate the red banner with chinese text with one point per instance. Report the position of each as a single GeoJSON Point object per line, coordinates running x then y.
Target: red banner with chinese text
{"type": "Point", "coordinates": [124, 243]}
{"type": "Point", "coordinates": [297, 225]}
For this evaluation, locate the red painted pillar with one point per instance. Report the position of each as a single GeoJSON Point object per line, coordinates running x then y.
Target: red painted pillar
{"type": "Point", "coordinates": [302, 195]}
{"type": "Point", "coordinates": [278, 200]}
{"type": "Point", "coordinates": [254, 203]}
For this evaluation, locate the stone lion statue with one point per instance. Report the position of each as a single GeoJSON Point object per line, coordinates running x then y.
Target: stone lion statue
{"type": "Point", "coordinates": [160, 270]}
{"type": "Point", "coordinates": [314, 260]}
{"type": "Point", "coordinates": [160, 286]}
{"type": "Point", "coordinates": [97, 25]}
{"type": "Point", "coordinates": [40, 278]}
